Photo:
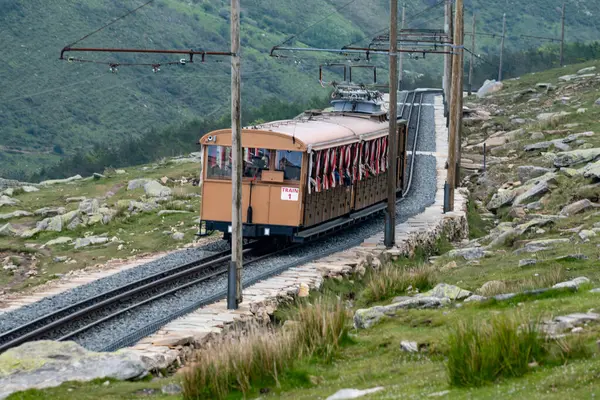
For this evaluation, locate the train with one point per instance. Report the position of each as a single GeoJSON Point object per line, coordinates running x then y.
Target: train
{"type": "Point", "coordinates": [307, 176]}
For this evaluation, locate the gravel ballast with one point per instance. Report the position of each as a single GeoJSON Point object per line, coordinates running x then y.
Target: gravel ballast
{"type": "Point", "coordinates": [421, 195]}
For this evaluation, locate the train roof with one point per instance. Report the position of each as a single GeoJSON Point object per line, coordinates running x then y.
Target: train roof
{"type": "Point", "coordinates": [320, 131]}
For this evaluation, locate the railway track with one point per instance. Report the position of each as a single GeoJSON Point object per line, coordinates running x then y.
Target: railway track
{"type": "Point", "coordinates": [69, 322]}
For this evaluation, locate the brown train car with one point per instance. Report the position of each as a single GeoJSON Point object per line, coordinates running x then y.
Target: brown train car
{"type": "Point", "coordinates": [302, 177]}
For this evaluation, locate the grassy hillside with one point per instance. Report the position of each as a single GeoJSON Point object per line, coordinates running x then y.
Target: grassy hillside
{"type": "Point", "coordinates": [49, 108]}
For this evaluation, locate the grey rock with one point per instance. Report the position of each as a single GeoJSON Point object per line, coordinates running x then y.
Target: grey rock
{"type": "Point", "coordinates": [59, 240]}
{"type": "Point", "coordinates": [43, 364]}
{"type": "Point", "coordinates": [365, 318]}
{"type": "Point", "coordinates": [50, 211]}
{"type": "Point", "coordinates": [551, 116]}
{"type": "Point", "coordinates": [15, 214]}
{"type": "Point", "coordinates": [475, 298]}
{"type": "Point", "coordinates": [591, 170]}
{"type": "Point", "coordinates": [89, 206]}
{"type": "Point", "coordinates": [59, 181]}
{"type": "Point", "coordinates": [586, 234]}
{"type": "Point", "coordinates": [172, 388]}
{"type": "Point", "coordinates": [155, 189]}
{"type": "Point", "coordinates": [344, 394]}
{"type": "Point", "coordinates": [559, 144]}
{"type": "Point", "coordinates": [178, 236]}
{"type": "Point", "coordinates": [60, 259]}
{"type": "Point", "coordinates": [29, 233]}
{"type": "Point", "coordinates": [54, 224]}
{"type": "Point", "coordinates": [500, 199]}
{"type": "Point", "coordinates": [137, 183]}
{"type": "Point", "coordinates": [7, 230]}
{"type": "Point", "coordinates": [409, 347]}
{"type": "Point", "coordinates": [528, 172]}
{"type": "Point", "coordinates": [586, 70]}
{"type": "Point", "coordinates": [167, 212]}
{"type": "Point", "coordinates": [534, 193]}
{"type": "Point", "coordinates": [536, 205]}
{"type": "Point", "coordinates": [75, 199]}
{"type": "Point", "coordinates": [537, 136]}
{"type": "Point", "coordinates": [595, 290]}
{"type": "Point", "coordinates": [91, 240]}
{"type": "Point", "coordinates": [547, 86]}
{"type": "Point", "coordinates": [527, 261]}
{"type": "Point", "coordinates": [572, 257]}
{"type": "Point", "coordinates": [504, 296]}
{"type": "Point", "coordinates": [597, 102]}
{"type": "Point", "coordinates": [471, 253]}
{"type": "Point", "coordinates": [443, 290]}
{"type": "Point", "coordinates": [97, 176]}
{"type": "Point", "coordinates": [567, 78]}
{"type": "Point", "coordinates": [9, 192]}
{"type": "Point", "coordinates": [575, 157]}
{"type": "Point", "coordinates": [540, 245]}
{"type": "Point", "coordinates": [7, 201]}
{"type": "Point", "coordinates": [489, 87]}
{"type": "Point", "coordinates": [120, 172]}
{"type": "Point", "coordinates": [576, 208]}
{"type": "Point", "coordinates": [518, 121]}
{"type": "Point", "coordinates": [572, 284]}
{"type": "Point", "coordinates": [29, 189]}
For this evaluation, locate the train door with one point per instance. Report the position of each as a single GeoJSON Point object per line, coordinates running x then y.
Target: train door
{"type": "Point", "coordinates": [402, 158]}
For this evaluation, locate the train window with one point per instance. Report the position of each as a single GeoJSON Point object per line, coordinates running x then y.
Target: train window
{"type": "Point", "coordinates": [219, 162]}
{"type": "Point", "coordinates": [290, 162]}
{"type": "Point", "coordinates": [255, 161]}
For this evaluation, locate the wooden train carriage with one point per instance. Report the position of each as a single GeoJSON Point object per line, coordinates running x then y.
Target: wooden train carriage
{"type": "Point", "coordinates": [299, 175]}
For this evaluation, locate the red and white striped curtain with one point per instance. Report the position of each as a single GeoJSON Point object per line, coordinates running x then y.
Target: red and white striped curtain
{"type": "Point", "coordinates": [318, 179]}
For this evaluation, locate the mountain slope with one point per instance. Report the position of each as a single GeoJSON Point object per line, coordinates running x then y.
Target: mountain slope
{"type": "Point", "coordinates": [49, 108]}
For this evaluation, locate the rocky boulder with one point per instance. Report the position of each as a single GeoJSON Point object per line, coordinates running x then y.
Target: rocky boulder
{"type": "Point", "coordinates": [367, 317]}
{"type": "Point", "coordinates": [470, 253]}
{"type": "Point", "coordinates": [43, 364]}
{"type": "Point", "coordinates": [558, 143]}
{"type": "Point", "coordinates": [7, 230]}
{"type": "Point", "coordinates": [59, 181]}
{"type": "Point", "coordinates": [572, 284]}
{"type": "Point", "coordinates": [137, 183]}
{"type": "Point", "coordinates": [489, 87]}
{"type": "Point", "coordinates": [528, 172]}
{"type": "Point", "coordinates": [89, 206]}
{"type": "Point", "coordinates": [586, 70]}
{"type": "Point", "coordinates": [443, 290]}
{"type": "Point", "coordinates": [155, 189]}
{"type": "Point", "coordinates": [545, 117]}
{"type": "Point", "coordinates": [501, 198]}
{"type": "Point", "coordinates": [89, 241]}
{"type": "Point", "coordinates": [7, 201]}
{"type": "Point", "coordinates": [15, 214]}
{"type": "Point", "coordinates": [50, 211]}
{"type": "Point", "coordinates": [540, 245]}
{"type": "Point", "coordinates": [575, 157]}
{"type": "Point", "coordinates": [576, 208]}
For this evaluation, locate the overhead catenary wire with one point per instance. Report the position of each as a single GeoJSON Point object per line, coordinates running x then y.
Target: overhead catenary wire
{"type": "Point", "coordinates": [110, 23]}
{"type": "Point", "coordinates": [337, 9]}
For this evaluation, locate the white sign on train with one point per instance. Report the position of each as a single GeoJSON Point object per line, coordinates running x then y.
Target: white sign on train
{"type": "Point", "coordinates": [290, 193]}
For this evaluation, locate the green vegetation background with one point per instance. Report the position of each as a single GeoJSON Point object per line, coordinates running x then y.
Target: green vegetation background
{"type": "Point", "coordinates": [51, 109]}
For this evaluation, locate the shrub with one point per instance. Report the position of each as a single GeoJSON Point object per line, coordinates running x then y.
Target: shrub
{"type": "Point", "coordinates": [262, 354]}
{"type": "Point", "coordinates": [392, 280]}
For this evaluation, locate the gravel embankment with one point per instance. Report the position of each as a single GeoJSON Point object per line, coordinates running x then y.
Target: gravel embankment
{"type": "Point", "coordinates": [421, 195]}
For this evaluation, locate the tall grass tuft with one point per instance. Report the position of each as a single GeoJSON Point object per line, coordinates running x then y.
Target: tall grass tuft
{"type": "Point", "coordinates": [504, 347]}
{"type": "Point", "coordinates": [392, 280]}
{"type": "Point", "coordinates": [480, 353]}
{"type": "Point", "coordinates": [262, 354]}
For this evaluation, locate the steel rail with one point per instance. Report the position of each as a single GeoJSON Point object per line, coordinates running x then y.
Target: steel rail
{"type": "Point", "coordinates": [24, 332]}
{"type": "Point", "coordinates": [160, 295]}
{"type": "Point", "coordinates": [414, 150]}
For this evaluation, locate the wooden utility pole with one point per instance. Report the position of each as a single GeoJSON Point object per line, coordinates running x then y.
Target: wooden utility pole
{"type": "Point", "coordinates": [562, 38]}
{"type": "Point", "coordinates": [502, 47]}
{"type": "Point", "coordinates": [234, 297]}
{"type": "Point", "coordinates": [401, 55]}
{"type": "Point", "coordinates": [456, 97]}
{"type": "Point", "coordinates": [390, 221]}
{"type": "Point", "coordinates": [472, 59]}
{"type": "Point", "coordinates": [460, 13]}
{"type": "Point", "coordinates": [447, 57]}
